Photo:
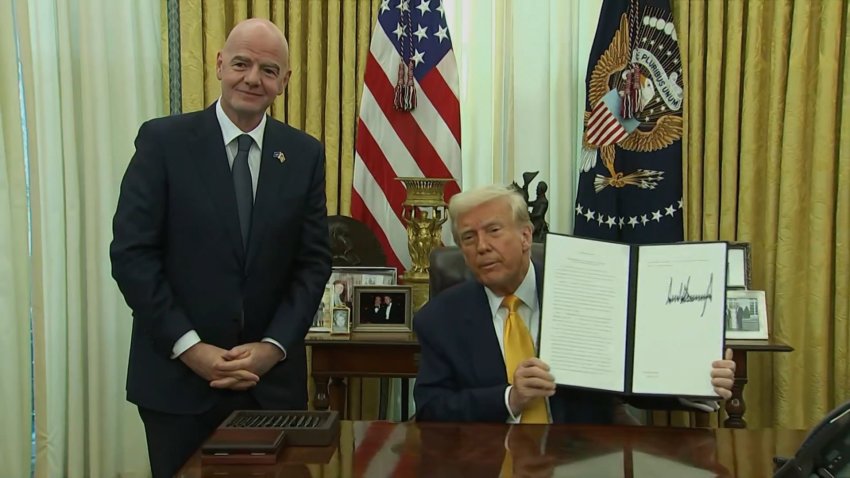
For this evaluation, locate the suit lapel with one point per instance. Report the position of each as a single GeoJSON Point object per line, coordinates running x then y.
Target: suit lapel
{"type": "Point", "coordinates": [273, 179]}
{"type": "Point", "coordinates": [213, 167]}
{"type": "Point", "coordinates": [488, 362]}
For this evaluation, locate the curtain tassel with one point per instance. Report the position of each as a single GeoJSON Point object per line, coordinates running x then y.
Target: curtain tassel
{"type": "Point", "coordinates": [405, 88]}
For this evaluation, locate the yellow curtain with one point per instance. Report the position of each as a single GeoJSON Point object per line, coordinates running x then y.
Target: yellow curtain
{"type": "Point", "coordinates": [767, 161]}
{"type": "Point", "coordinates": [328, 45]}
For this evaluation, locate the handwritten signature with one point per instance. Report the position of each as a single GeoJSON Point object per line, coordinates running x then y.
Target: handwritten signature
{"type": "Point", "coordinates": [684, 296]}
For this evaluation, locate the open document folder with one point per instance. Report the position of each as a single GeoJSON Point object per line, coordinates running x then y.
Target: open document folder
{"type": "Point", "coordinates": [633, 319]}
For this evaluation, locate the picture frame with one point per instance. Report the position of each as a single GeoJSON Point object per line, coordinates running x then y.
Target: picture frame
{"type": "Point", "coordinates": [341, 321]}
{"type": "Point", "coordinates": [322, 318]}
{"type": "Point", "coordinates": [340, 290]}
{"type": "Point", "coordinates": [746, 315]}
{"type": "Point", "coordinates": [383, 309]}
{"type": "Point", "coordinates": [738, 266]}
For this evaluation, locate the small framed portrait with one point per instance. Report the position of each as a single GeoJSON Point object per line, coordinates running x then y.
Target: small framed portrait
{"type": "Point", "coordinates": [746, 314]}
{"type": "Point", "coordinates": [738, 266]}
{"type": "Point", "coordinates": [382, 309]}
{"type": "Point", "coordinates": [322, 318]}
{"type": "Point", "coordinates": [341, 321]}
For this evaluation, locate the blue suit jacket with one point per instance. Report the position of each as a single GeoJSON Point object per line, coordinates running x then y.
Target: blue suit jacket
{"type": "Point", "coordinates": [178, 257]}
{"type": "Point", "coordinates": [462, 373]}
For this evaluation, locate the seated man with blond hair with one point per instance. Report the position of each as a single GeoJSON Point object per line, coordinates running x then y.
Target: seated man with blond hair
{"type": "Point", "coordinates": [466, 371]}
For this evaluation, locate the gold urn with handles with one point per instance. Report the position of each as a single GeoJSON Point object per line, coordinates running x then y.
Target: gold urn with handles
{"type": "Point", "coordinates": [424, 211]}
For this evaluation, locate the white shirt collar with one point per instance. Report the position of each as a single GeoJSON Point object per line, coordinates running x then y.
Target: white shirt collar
{"type": "Point", "coordinates": [527, 292]}
{"type": "Point", "coordinates": [229, 131]}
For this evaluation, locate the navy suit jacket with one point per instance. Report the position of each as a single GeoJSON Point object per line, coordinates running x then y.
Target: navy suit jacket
{"type": "Point", "coordinates": [178, 258]}
{"type": "Point", "coordinates": [462, 376]}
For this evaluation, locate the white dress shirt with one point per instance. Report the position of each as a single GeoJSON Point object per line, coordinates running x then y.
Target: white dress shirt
{"type": "Point", "coordinates": [529, 311]}
{"type": "Point", "coordinates": [229, 133]}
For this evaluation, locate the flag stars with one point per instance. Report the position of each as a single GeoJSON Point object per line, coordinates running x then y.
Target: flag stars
{"type": "Point", "coordinates": [385, 5]}
{"type": "Point", "coordinates": [669, 53]}
{"type": "Point", "coordinates": [442, 33]}
{"type": "Point", "coordinates": [589, 215]}
{"type": "Point", "coordinates": [403, 6]}
{"type": "Point", "coordinates": [418, 57]}
{"type": "Point", "coordinates": [579, 210]}
{"type": "Point", "coordinates": [421, 33]}
{"type": "Point", "coordinates": [643, 39]}
{"type": "Point", "coordinates": [652, 42]}
{"type": "Point", "coordinates": [669, 211]}
{"type": "Point", "coordinates": [424, 6]}
{"type": "Point", "coordinates": [621, 222]}
{"type": "Point", "coordinates": [633, 221]}
{"type": "Point", "coordinates": [440, 9]}
{"type": "Point", "coordinates": [600, 219]}
{"type": "Point", "coordinates": [399, 32]}
{"type": "Point", "coordinates": [656, 216]}
{"type": "Point", "coordinates": [680, 204]}
{"type": "Point", "coordinates": [611, 222]}
{"type": "Point", "coordinates": [643, 220]}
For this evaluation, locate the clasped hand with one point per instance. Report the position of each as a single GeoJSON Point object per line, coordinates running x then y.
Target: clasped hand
{"type": "Point", "coordinates": [239, 368]}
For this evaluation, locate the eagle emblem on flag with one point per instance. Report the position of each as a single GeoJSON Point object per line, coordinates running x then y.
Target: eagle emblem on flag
{"type": "Point", "coordinates": [636, 90]}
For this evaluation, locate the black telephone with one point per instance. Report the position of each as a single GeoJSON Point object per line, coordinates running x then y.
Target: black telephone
{"type": "Point", "coordinates": [825, 452]}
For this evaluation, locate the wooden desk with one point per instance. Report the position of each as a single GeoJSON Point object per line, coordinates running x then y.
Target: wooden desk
{"type": "Point", "coordinates": [378, 449]}
{"type": "Point", "coordinates": [360, 355]}
{"type": "Point", "coordinates": [397, 355]}
{"type": "Point", "coordinates": [735, 406]}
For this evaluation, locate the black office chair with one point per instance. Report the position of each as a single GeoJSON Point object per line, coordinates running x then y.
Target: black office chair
{"type": "Point", "coordinates": [448, 267]}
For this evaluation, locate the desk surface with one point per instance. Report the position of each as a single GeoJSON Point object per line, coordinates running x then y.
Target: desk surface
{"type": "Point", "coordinates": [379, 449]}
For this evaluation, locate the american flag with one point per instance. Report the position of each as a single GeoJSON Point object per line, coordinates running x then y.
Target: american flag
{"type": "Point", "coordinates": [422, 142]}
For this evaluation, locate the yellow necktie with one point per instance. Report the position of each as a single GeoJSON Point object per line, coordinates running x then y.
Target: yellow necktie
{"type": "Point", "coordinates": [519, 347]}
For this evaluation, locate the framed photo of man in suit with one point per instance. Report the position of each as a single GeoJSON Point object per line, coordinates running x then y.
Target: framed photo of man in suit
{"type": "Point", "coordinates": [382, 309]}
{"type": "Point", "coordinates": [746, 315]}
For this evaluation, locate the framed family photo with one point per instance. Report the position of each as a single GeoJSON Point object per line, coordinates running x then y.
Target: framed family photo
{"type": "Point", "coordinates": [746, 314]}
{"type": "Point", "coordinates": [382, 309]}
{"type": "Point", "coordinates": [322, 318]}
{"type": "Point", "coordinates": [341, 321]}
{"type": "Point", "coordinates": [738, 266]}
{"type": "Point", "coordinates": [339, 291]}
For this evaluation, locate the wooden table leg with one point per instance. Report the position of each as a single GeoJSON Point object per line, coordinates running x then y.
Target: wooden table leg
{"type": "Point", "coordinates": [405, 401]}
{"type": "Point", "coordinates": [337, 395]}
{"type": "Point", "coordinates": [320, 401]}
{"type": "Point", "coordinates": [383, 398]}
{"type": "Point", "coordinates": [735, 406]}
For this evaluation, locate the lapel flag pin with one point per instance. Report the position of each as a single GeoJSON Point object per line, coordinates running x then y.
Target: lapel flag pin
{"type": "Point", "coordinates": [279, 156]}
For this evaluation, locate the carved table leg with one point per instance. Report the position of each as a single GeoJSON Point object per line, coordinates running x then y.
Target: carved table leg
{"type": "Point", "coordinates": [735, 406]}
{"type": "Point", "coordinates": [337, 393]}
{"type": "Point", "coordinates": [320, 401]}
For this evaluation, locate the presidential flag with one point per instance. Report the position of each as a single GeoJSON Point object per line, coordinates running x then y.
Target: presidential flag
{"type": "Point", "coordinates": [630, 184]}
{"type": "Point", "coordinates": [409, 117]}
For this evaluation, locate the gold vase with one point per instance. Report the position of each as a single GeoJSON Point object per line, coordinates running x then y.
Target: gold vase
{"type": "Point", "coordinates": [424, 213]}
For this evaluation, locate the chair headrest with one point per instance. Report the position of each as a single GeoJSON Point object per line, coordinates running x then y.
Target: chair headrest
{"type": "Point", "coordinates": [448, 267]}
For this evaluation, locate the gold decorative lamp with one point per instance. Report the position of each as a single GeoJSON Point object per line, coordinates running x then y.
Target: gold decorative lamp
{"type": "Point", "coordinates": [424, 213]}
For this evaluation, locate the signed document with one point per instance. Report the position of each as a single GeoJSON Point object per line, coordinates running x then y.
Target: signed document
{"type": "Point", "coordinates": [633, 319]}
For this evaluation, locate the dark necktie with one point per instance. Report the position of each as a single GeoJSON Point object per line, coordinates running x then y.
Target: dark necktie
{"type": "Point", "coordinates": [243, 186]}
